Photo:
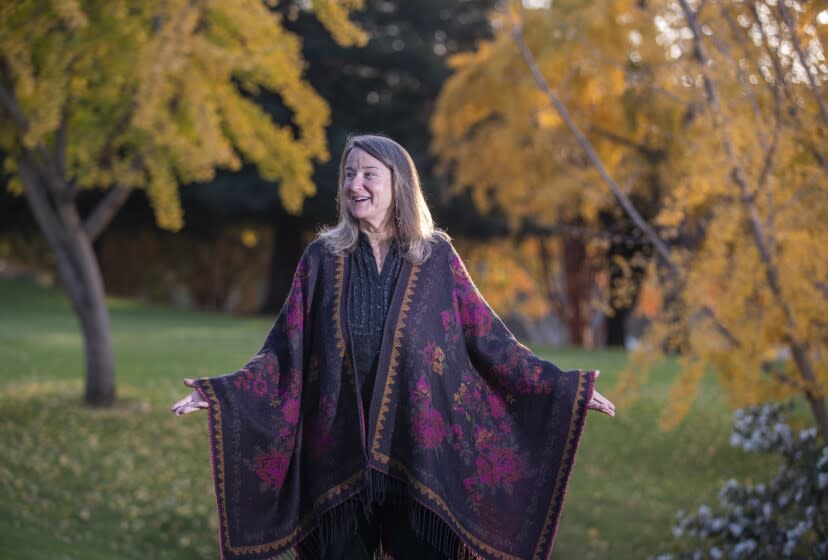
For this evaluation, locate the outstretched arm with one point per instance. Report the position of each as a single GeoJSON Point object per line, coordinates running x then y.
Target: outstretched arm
{"type": "Point", "coordinates": [191, 403]}
{"type": "Point", "coordinates": [481, 325]}
{"type": "Point", "coordinates": [601, 403]}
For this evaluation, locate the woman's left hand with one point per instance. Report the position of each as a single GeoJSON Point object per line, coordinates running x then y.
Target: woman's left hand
{"type": "Point", "coordinates": [601, 403]}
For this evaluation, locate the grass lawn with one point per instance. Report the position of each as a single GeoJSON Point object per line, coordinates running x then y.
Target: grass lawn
{"type": "Point", "coordinates": [134, 482]}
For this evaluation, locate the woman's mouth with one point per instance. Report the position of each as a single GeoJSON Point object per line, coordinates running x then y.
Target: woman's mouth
{"type": "Point", "coordinates": [358, 199]}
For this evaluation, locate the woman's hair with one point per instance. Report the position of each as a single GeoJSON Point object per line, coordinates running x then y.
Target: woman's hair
{"type": "Point", "coordinates": [409, 217]}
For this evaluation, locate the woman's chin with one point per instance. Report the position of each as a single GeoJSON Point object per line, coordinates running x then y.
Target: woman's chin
{"type": "Point", "coordinates": [365, 214]}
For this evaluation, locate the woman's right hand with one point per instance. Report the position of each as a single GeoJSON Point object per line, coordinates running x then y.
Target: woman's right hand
{"type": "Point", "coordinates": [190, 403]}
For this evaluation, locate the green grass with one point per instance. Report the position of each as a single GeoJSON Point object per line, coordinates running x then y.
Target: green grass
{"type": "Point", "coordinates": [134, 482]}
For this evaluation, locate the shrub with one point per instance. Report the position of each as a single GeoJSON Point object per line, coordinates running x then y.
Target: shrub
{"type": "Point", "coordinates": [786, 517]}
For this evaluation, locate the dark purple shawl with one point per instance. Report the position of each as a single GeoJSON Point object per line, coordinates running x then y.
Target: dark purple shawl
{"type": "Point", "coordinates": [480, 432]}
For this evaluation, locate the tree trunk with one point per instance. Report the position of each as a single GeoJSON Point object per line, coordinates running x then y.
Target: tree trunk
{"type": "Point", "coordinates": [617, 326]}
{"type": "Point", "coordinates": [626, 273]}
{"type": "Point", "coordinates": [820, 413]}
{"type": "Point", "coordinates": [97, 334]}
{"type": "Point", "coordinates": [286, 251]}
{"type": "Point", "coordinates": [81, 277]}
{"type": "Point", "coordinates": [553, 294]}
{"type": "Point", "coordinates": [578, 287]}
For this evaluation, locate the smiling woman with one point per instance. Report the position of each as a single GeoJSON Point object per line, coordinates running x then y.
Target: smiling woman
{"type": "Point", "coordinates": [377, 168]}
{"type": "Point", "coordinates": [390, 412]}
{"type": "Point", "coordinates": [367, 187]}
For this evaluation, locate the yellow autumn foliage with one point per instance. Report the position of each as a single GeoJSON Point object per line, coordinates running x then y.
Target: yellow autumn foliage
{"type": "Point", "coordinates": [502, 141]}
{"type": "Point", "coordinates": [626, 73]}
{"type": "Point", "coordinates": [747, 338]}
{"type": "Point", "coordinates": [160, 93]}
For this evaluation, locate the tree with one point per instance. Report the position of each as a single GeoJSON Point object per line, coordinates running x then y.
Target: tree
{"type": "Point", "coordinates": [741, 227]}
{"type": "Point", "coordinates": [766, 212]}
{"type": "Point", "coordinates": [389, 85]}
{"type": "Point", "coordinates": [497, 137]}
{"type": "Point", "coordinates": [147, 95]}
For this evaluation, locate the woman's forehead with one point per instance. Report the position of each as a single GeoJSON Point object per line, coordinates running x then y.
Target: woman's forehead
{"type": "Point", "coordinates": [360, 159]}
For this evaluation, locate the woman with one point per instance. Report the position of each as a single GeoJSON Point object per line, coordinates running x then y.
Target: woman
{"type": "Point", "coordinates": [390, 412]}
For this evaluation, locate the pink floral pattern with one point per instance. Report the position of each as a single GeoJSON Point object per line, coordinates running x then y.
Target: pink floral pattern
{"type": "Point", "coordinates": [271, 467]}
{"type": "Point", "coordinates": [523, 374]}
{"type": "Point", "coordinates": [290, 410]}
{"type": "Point", "coordinates": [428, 426]}
{"type": "Point", "coordinates": [497, 405]}
{"type": "Point", "coordinates": [258, 375]}
{"type": "Point", "coordinates": [493, 455]}
{"type": "Point", "coordinates": [475, 315]}
{"type": "Point", "coordinates": [295, 312]}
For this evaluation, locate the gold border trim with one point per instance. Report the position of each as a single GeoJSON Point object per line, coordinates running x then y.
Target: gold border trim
{"type": "Point", "coordinates": [339, 279]}
{"type": "Point", "coordinates": [216, 430]}
{"type": "Point", "coordinates": [394, 364]}
{"type": "Point", "coordinates": [565, 467]}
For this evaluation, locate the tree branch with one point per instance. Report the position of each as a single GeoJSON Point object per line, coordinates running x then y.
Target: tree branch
{"type": "Point", "coordinates": [120, 127]}
{"type": "Point", "coordinates": [47, 167]}
{"type": "Point", "coordinates": [812, 85]}
{"type": "Point", "coordinates": [623, 200]}
{"type": "Point", "coordinates": [8, 103]}
{"type": "Point", "coordinates": [784, 378]}
{"type": "Point", "coordinates": [659, 245]}
{"type": "Point", "coordinates": [50, 223]}
{"type": "Point", "coordinates": [822, 286]}
{"type": "Point", "coordinates": [105, 211]}
{"type": "Point", "coordinates": [722, 48]}
{"type": "Point", "coordinates": [653, 154]}
{"type": "Point", "coordinates": [781, 83]}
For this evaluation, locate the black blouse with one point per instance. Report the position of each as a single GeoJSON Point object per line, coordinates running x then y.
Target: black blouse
{"type": "Point", "coordinates": [370, 297]}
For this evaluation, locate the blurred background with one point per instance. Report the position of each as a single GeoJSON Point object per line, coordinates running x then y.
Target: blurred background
{"type": "Point", "coordinates": [635, 186]}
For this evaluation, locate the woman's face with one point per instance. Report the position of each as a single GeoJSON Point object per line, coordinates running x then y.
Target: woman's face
{"type": "Point", "coordinates": [367, 189]}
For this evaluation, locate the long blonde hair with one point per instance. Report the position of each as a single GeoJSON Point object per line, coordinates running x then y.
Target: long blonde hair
{"type": "Point", "coordinates": [411, 221]}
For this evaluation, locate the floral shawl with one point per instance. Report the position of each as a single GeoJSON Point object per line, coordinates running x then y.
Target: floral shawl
{"type": "Point", "coordinates": [479, 432]}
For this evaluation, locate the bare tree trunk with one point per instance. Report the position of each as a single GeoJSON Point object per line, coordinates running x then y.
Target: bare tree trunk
{"type": "Point", "coordinates": [80, 274]}
{"type": "Point", "coordinates": [53, 202]}
{"type": "Point", "coordinates": [578, 287]}
{"type": "Point", "coordinates": [818, 409]}
{"type": "Point", "coordinates": [553, 294]}
{"type": "Point", "coordinates": [94, 318]}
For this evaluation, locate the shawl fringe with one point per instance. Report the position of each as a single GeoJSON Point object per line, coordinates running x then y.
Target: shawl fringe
{"type": "Point", "coordinates": [392, 496]}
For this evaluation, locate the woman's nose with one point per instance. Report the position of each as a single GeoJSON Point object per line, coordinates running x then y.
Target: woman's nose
{"type": "Point", "coordinates": [355, 183]}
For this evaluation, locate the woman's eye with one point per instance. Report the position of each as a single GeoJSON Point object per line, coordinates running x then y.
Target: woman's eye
{"type": "Point", "coordinates": [369, 174]}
